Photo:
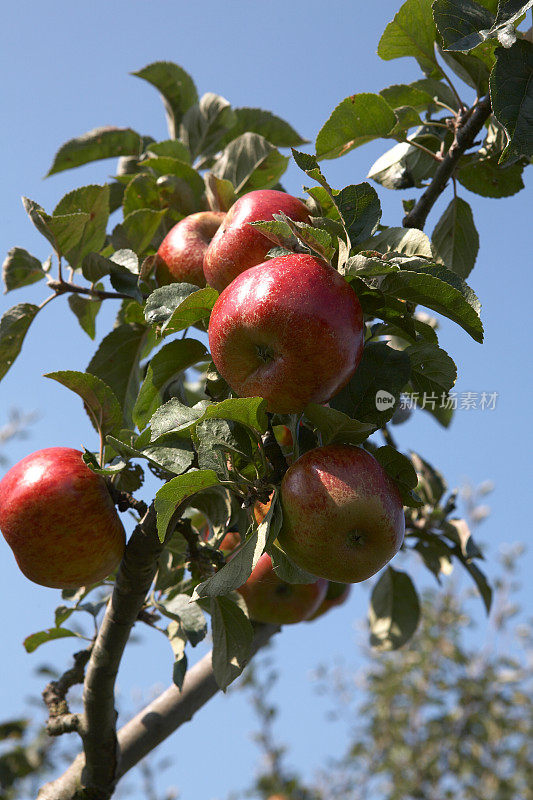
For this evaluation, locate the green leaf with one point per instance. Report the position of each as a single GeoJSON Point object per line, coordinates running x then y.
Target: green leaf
{"type": "Point", "coordinates": [406, 118]}
{"type": "Point", "coordinates": [13, 328]}
{"type": "Point", "coordinates": [480, 579]}
{"type": "Point", "coordinates": [318, 239]}
{"type": "Point", "coordinates": [400, 469]}
{"type": "Point", "coordinates": [172, 359]}
{"type": "Point", "coordinates": [163, 165]}
{"type": "Point", "coordinates": [220, 192]}
{"type": "Point", "coordinates": [433, 372]}
{"type": "Point", "coordinates": [405, 94]}
{"type": "Point", "coordinates": [394, 610]}
{"type": "Point", "coordinates": [381, 370]}
{"type": "Point", "coordinates": [179, 306]}
{"type": "Point", "coordinates": [178, 643]}
{"type": "Point", "coordinates": [232, 640]}
{"type": "Point", "coordinates": [431, 484]}
{"type": "Point", "coordinates": [13, 729]}
{"type": "Point", "coordinates": [141, 192]}
{"type": "Point", "coordinates": [21, 269]}
{"type": "Point", "coordinates": [86, 310]}
{"type": "Point", "coordinates": [94, 267]}
{"type": "Point", "coordinates": [175, 416]}
{"type": "Point", "coordinates": [99, 400]}
{"type": "Point", "coordinates": [172, 494]}
{"type": "Point", "coordinates": [286, 569]}
{"type": "Point", "coordinates": [463, 24]}
{"type": "Point", "coordinates": [335, 426]}
{"type": "Point", "coordinates": [266, 124]}
{"type": "Point", "coordinates": [172, 148]}
{"type": "Point", "coordinates": [176, 87]}
{"type": "Point", "coordinates": [510, 11]}
{"type": "Point", "coordinates": [34, 641]}
{"type": "Point", "coordinates": [309, 165]}
{"type": "Point", "coordinates": [250, 162]}
{"type": "Point", "coordinates": [93, 201]}
{"type": "Point", "coordinates": [36, 213]}
{"type": "Point", "coordinates": [438, 90]}
{"type": "Point", "coordinates": [213, 439]}
{"type": "Point", "coordinates": [405, 165]}
{"type": "Point", "coordinates": [455, 238]}
{"type": "Point", "coordinates": [440, 289]}
{"type": "Point", "coordinates": [117, 363]}
{"type": "Point", "coordinates": [356, 120]}
{"type": "Point", "coordinates": [238, 569]}
{"type": "Point", "coordinates": [204, 124]}
{"type": "Point", "coordinates": [66, 230]}
{"type": "Point", "coordinates": [137, 230]}
{"type": "Point", "coordinates": [170, 453]}
{"type": "Point", "coordinates": [248, 411]}
{"type": "Point", "coordinates": [360, 210]}
{"type": "Point", "coordinates": [409, 241]}
{"type": "Point", "coordinates": [124, 274]}
{"type": "Point", "coordinates": [162, 303]}
{"type": "Point", "coordinates": [473, 68]}
{"type": "Point", "coordinates": [458, 532]}
{"type": "Point", "coordinates": [188, 614]}
{"type": "Point", "coordinates": [105, 142]}
{"type": "Point", "coordinates": [279, 231]}
{"type": "Point", "coordinates": [485, 177]}
{"type": "Point", "coordinates": [511, 92]}
{"type": "Point", "coordinates": [412, 33]}
{"type": "Point", "coordinates": [195, 307]}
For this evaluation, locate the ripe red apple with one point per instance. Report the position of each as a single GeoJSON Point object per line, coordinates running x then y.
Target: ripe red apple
{"type": "Point", "coordinates": [336, 595]}
{"type": "Point", "coordinates": [59, 519]}
{"type": "Point", "coordinates": [342, 515]}
{"type": "Point", "coordinates": [269, 599]}
{"type": "Point", "coordinates": [181, 253]}
{"type": "Point", "coordinates": [237, 245]}
{"type": "Point", "coordinates": [289, 330]}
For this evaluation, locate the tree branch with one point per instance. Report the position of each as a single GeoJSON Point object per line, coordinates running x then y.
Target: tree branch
{"type": "Point", "coordinates": [154, 723]}
{"type": "Point", "coordinates": [55, 696]}
{"type": "Point", "coordinates": [468, 127]}
{"type": "Point", "coordinates": [134, 578]}
{"type": "Point", "coordinates": [62, 287]}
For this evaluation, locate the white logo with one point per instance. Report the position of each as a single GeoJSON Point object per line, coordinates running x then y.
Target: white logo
{"type": "Point", "coordinates": [384, 400]}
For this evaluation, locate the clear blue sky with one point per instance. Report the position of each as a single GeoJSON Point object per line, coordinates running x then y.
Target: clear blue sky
{"type": "Point", "coordinates": [65, 70]}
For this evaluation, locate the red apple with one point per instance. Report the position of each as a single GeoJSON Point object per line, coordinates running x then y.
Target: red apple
{"type": "Point", "coordinates": [180, 257]}
{"type": "Point", "coordinates": [269, 599]}
{"type": "Point", "coordinates": [342, 515]}
{"type": "Point", "coordinates": [336, 595]}
{"type": "Point", "coordinates": [237, 245]}
{"type": "Point", "coordinates": [289, 330]}
{"type": "Point", "coordinates": [57, 516]}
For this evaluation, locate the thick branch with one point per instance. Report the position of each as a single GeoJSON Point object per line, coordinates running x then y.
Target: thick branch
{"type": "Point", "coordinates": [133, 581]}
{"type": "Point", "coordinates": [465, 135]}
{"type": "Point", "coordinates": [156, 722]}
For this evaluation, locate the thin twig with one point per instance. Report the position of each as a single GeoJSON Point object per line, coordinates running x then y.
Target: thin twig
{"type": "Point", "coordinates": [48, 300]}
{"type": "Point", "coordinates": [423, 148]}
{"type": "Point", "coordinates": [450, 84]}
{"type": "Point", "coordinates": [64, 287]}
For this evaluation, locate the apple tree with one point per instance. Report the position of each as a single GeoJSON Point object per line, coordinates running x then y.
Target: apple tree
{"type": "Point", "coordinates": [222, 451]}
